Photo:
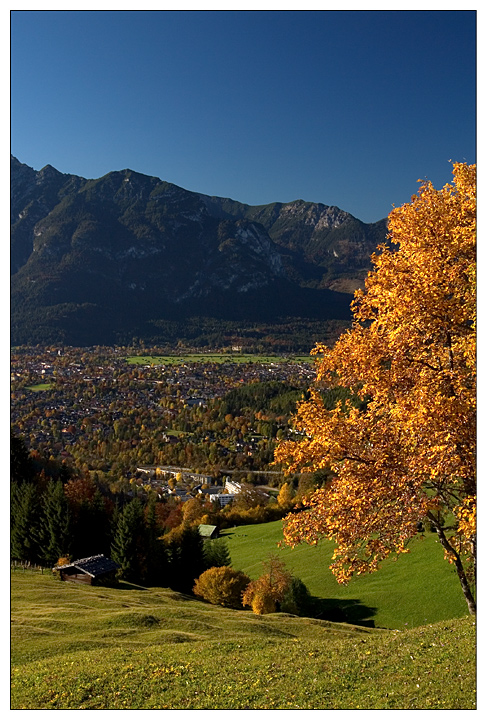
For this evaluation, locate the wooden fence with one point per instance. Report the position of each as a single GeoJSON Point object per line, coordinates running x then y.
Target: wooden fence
{"type": "Point", "coordinates": [18, 566]}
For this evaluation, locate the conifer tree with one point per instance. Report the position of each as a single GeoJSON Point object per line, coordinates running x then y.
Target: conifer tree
{"type": "Point", "coordinates": [216, 553]}
{"type": "Point", "coordinates": [24, 536]}
{"type": "Point", "coordinates": [185, 557]}
{"type": "Point", "coordinates": [55, 527]}
{"type": "Point", "coordinates": [21, 466]}
{"type": "Point", "coordinates": [156, 564]}
{"type": "Point", "coordinates": [90, 527]}
{"type": "Point", "coordinates": [129, 542]}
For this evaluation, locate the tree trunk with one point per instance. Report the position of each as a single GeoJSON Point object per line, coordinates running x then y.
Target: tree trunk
{"type": "Point", "coordinates": [472, 608]}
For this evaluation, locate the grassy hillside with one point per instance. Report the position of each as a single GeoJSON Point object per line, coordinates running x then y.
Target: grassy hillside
{"type": "Point", "coordinates": [416, 589]}
{"type": "Point", "coordinates": [81, 647]}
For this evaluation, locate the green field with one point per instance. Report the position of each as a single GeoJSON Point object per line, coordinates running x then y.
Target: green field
{"type": "Point", "coordinates": [419, 588]}
{"type": "Point", "coordinates": [85, 648]}
{"type": "Point", "coordinates": [213, 358]}
{"type": "Point", "coordinates": [40, 387]}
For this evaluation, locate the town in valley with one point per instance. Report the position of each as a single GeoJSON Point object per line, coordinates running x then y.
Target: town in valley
{"type": "Point", "coordinates": [177, 424]}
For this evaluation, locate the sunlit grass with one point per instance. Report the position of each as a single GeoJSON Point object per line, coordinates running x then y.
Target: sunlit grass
{"type": "Point", "coordinates": [81, 647]}
{"type": "Point", "coordinates": [419, 587]}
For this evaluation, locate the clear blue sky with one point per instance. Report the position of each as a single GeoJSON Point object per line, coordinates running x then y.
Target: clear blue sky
{"type": "Point", "coordinates": [347, 108]}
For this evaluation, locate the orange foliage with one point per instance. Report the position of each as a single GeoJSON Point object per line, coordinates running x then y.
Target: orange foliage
{"type": "Point", "coordinates": [80, 490]}
{"type": "Point", "coordinates": [411, 356]}
{"type": "Point", "coordinates": [263, 594]}
{"type": "Point", "coordinates": [222, 586]}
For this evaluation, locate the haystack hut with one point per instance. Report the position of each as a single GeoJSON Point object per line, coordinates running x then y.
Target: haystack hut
{"type": "Point", "coordinates": [208, 532]}
{"type": "Point", "coordinates": [95, 570]}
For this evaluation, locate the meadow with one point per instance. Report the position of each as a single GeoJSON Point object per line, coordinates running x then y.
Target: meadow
{"type": "Point", "coordinates": [40, 387]}
{"type": "Point", "coordinates": [416, 588]}
{"type": "Point", "coordinates": [213, 358]}
{"type": "Point", "coordinates": [92, 648]}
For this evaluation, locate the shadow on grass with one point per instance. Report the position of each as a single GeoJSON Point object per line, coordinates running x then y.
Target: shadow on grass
{"type": "Point", "coordinates": [236, 530]}
{"type": "Point", "coordinates": [344, 611]}
{"type": "Point", "coordinates": [124, 585]}
{"type": "Point", "coordinates": [170, 593]}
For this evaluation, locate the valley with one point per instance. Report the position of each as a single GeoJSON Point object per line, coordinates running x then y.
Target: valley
{"type": "Point", "coordinates": [109, 411]}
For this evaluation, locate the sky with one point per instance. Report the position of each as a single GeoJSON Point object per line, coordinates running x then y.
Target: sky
{"type": "Point", "coordinates": [346, 108]}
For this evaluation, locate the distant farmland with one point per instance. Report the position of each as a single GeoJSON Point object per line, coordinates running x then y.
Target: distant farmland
{"type": "Point", "coordinates": [214, 358]}
{"type": "Point", "coordinates": [40, 387]}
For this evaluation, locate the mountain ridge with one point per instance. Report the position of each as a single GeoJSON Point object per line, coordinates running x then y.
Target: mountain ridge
{"type": "Point", "coordinates": [138, 251]}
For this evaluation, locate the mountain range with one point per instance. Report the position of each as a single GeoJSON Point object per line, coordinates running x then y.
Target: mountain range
{"type": "Point", "coordinates": [131, 257]}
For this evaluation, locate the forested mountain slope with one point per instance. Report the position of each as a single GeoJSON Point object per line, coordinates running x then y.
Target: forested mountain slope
{"type": "Point", "coordinates": [110, 259]}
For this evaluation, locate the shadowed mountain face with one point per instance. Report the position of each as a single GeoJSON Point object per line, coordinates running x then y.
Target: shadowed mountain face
{"type": "Point", "coordinates": [100, 261]}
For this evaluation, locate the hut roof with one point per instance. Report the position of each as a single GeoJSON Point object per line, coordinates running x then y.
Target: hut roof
{"type": "Point", "coordinates": [94, 566]}
{"type": "Point", "coordinates": [207, 530]}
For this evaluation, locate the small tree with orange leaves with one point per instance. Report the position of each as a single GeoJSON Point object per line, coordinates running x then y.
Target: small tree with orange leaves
{"type": "Point", "coordinates": [263, 594]}
{"type": "Point", "coordinates": [409, 455]}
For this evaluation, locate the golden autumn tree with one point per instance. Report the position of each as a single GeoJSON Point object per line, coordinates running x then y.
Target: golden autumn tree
{"type": "Point", "coordinates": [263, 594]}
{"type": "Point", "coordinates": [222, 586]}
{"type": "Point", "coordinates": [407, 455]}
{"type": "Point", "coordinates": [285, 496]}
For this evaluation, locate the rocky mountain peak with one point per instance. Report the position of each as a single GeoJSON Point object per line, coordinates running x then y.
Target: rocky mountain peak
{"type": "Point", "coordinates": [136, 248]}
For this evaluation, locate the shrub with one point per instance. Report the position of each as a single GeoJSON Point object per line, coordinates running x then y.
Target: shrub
{"type": "Point", "coordinates": [297, 599]}
{"type": "Point", "coordinates": [260, 597]}
{"type": "Point", "coordinates": [222, 586]}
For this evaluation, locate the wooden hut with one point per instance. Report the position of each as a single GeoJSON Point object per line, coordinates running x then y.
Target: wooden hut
{"type": "Point", "coordinates": [95, 570]}
{"type": "Point", "coordinates": [208, 532]}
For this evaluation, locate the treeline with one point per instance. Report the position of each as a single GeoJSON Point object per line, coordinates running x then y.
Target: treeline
{"type": "Point", "coordinates": [54, 523]}
{"type": "Point", "coordinates": [274, 395]}
{"type": "Point", "coordinates": [57, 514]}
{"type": "Point", "coordinates": [54, 325]}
